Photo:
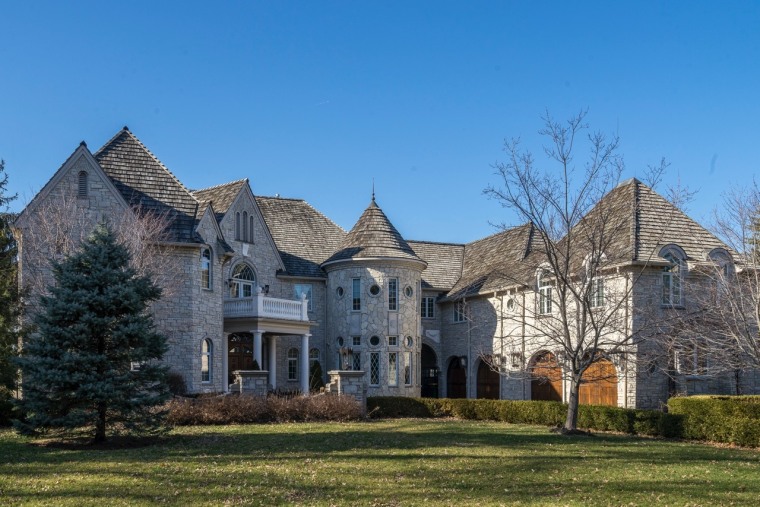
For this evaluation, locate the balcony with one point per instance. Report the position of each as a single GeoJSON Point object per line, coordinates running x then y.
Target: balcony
{"type": "Point", "coordinates": [261, 306]}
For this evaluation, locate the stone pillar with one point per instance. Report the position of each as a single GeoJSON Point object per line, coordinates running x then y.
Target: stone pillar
{"type": "Point", "coordinates": [348, 383]}
{"type": "Point", "coordinates": [252, 382]}
{"type": "Point", "coordinates": [257, 348]}
{"type": "Point", "coordinates": [273, 362]}
{"type": "Point", "coordinates": [225, 364]}
{"type": "Point", "coordinates": [305, 363]}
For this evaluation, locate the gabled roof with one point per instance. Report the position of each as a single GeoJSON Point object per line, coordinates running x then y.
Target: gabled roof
{"type": "Point", "coordinates": [145, 182]}
{"type": "Point", "coordinates": [304, 237]}
{"type": "Point", "coordinates": [221, 196]}
{"type": "Point", "coordinates": [444, 263]}
{"type": "Point", "coordinates": [373, 236]}
{"type": "Point", "coordinates": [498, 261]}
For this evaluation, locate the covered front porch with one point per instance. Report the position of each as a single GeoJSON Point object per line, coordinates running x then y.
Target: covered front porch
{"type": "Point", "coordinates": [249, 322]}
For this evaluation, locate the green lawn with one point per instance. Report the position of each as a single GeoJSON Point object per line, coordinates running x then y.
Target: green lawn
{"type": "Point", "coordinates": [392, 462]}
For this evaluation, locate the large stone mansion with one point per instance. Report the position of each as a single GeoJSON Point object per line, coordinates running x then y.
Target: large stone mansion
{"type": "Point", "coordinates": [272, 280]}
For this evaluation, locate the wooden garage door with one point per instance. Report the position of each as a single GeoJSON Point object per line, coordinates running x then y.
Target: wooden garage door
{"type": "Point", "coordinates": [599, 384]}
{"type": "Point", "coordinates": [546, 378]}
{"type": "Point", "coordinates": [456, 380]}
{"type": "Point", "coordinates": [488, 382]}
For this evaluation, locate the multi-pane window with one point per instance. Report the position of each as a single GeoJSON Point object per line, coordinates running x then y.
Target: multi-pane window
{"type": "Point", "coordinates": [357, 361]}
{"type": "Point", "coordinates": [243, 280]}
{"type": "Point", "coordinates": [300, 289]}
{"type": "Point", "coordinates": [671, 281]}
{"type": "Point", "coordinates": [374, 368]}
{"type": "Point", "coordinates": [392, 368]}
{"type": "Point", "coordinates": [544, 296]}
{"type": "Point", "coordinates": [293, 364]}
{"type": "Point", "coordinates": [313, 357]}
{"type": "Point", "coordinates": [427, 309]}
{"type": "Point", "coordinates": [596, 298]}
{"type": "Point", "coordinates": [393, 341]}
{"type": "Point", "coordinates": [393, 294]}
{"type": "Point", "coordinates": [691, 359]}
{"type": "Point", "coordinates": [356, 289]}
{"type": "Point", "coordinates": [207, 353]}
{"type": "Point", "coordinates": [356, 341]}
{"type": "Point", "coordinates": [407, 368]}
{"type": "Point", "coordinates": [460, 311]}
{"type": "Point", "coordinates": [206, 268]}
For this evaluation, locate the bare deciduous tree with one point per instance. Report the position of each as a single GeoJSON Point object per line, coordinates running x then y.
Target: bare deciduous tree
{"type": "Point", "coordinates": [578, 306]}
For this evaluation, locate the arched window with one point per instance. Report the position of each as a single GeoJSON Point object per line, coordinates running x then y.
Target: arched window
{"type": "Point", "coordinates": [250, 229]}
{"type": "Point", "coordinates": [245, 226]}
{"type": "Point", "coordinates": [207, 356]}
{"type": "Point", "coordinates": [293, 364]}
{"type": "Point", "coordinates": [82, 190]}
{"type": "Point", "coordinates": [544, 293]}
{"type": "Point", "coordinates": [206, 268]}
{"type": "Point", "coordinates": [237, 226]}
{"type": "Point", "coordinates": [671, 279]}
{"type": "Point", "coordinates": [242, 282]}
{"type": "Point", "coordinates": [313, 357]}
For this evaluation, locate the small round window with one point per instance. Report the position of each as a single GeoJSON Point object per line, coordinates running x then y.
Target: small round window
{"type": "Point", "coordinates": [374, 289]}
{"type": "Point", "coordinates": [340, 341]}
{"type": "Point", "coordinates": [409, 341]}
{"type": "Point", "coordinates": [511, 304]}
{"type": "Point", "coordinates": [374, 341]}
{"type": "Point", "coordinates": [408, 291]}
{"type": "Point", "coordinates": [339, 292]}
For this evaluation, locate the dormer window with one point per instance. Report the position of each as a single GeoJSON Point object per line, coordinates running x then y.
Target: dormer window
{"type": "Point", "coordinates": [82, 189]}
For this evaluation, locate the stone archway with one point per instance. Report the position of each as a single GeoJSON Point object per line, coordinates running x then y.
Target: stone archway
{"type": "Point", "coordinates": [430, 372]}
{"type": "Point", "coordinates": [488, 382]}
{"type": "Point", "coordinates": [599, 384]}
{"type": "Point", "coordinates": [456, 379]}
{"type": "Point", "coordinates": [545, 378]}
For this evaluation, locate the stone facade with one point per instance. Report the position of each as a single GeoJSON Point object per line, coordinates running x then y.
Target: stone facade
{"type": "Point", "coordinates": [483, 294]}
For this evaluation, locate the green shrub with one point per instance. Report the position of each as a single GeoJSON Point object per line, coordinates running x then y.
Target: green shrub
{"type": "Point", "coordinates": [727, 419]}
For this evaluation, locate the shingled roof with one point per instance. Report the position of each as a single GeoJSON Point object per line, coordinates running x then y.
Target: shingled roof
{"type": "Point", "coordinates": [373, 236]}
{"type": "Point", "coordinates": [145, 182]}
{"type": "Point", "coordinates": [220, 196]}
{"type": "Point", "coordinates": [444, 263]}
{"type": "Point", "coordinates": [497, 261]}
{"type": "Point", "coordinates": [304, 237]}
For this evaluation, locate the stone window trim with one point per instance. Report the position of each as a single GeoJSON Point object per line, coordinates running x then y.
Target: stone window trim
{"type": "Point", "coordinates": [374, 290]}
{"type": "Point", "coordinates": [356, 294]}
{"type": "Point", "coordinates": [393, 294]}
{"type": "Point", "coordinates": [544, 292]}
{"type": "Point", "coordinates": [206, 271]}
{"type": "Point", "coordinates": [207, 360]}
{"type": "Point", "coordinates": [374, 341]}
{"type": "Point", "coordinates": [83, 189]}
{"type": "Point", "coordinates": [460, 312]}
{"type": "Point", "coordinates": [392, 369]}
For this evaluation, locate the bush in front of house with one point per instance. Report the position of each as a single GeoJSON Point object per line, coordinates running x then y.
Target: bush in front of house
{"type": "Point", "coordinates": [548, 413]}
{"type": "Point", "coordinates": [727, 419]}
{"type": "Point", "coordinates": [245, 409]}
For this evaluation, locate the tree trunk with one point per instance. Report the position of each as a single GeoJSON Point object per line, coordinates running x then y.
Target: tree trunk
{"type": "Point", "coordinates": [571, 421]}
{"type": "Point", "coordinates": [100, 425]}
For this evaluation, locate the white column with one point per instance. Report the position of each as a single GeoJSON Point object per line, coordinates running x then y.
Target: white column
{"type": "Point", "coordinates": [225, 365]}
{"type": "Point", "coordinates": [257, 348]}
{"type": "Point", "coordinates": [273, 362]}
{"type": "Point", "coordinates": [305, 364]}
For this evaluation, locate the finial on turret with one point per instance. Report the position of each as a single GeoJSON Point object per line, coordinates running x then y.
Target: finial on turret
{"type": "Point", "coordinates": [373, 189]}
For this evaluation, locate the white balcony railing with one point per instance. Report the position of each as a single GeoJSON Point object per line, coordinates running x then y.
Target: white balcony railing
{"type": "Point", "coordinates": [262, 305]}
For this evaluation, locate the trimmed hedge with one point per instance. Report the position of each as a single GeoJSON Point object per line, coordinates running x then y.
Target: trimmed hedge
{"type": "Point", "coordinates": [549, 413]}
{"type": "Point", "coordinates": [727, 419]}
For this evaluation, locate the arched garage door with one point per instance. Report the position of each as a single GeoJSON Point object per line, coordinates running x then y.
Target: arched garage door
{"type": "Point", "coordinates": [456, 380]}
{"type": "Point", "coordinates": [599, 384]}
{"type": "Point", "coordinates": [546, 378]}
{"type": "Point", "coordinates": [488, 382]}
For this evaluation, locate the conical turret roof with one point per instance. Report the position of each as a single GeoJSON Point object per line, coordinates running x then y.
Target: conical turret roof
{"type": "Point", "coordinates": [373, 236]}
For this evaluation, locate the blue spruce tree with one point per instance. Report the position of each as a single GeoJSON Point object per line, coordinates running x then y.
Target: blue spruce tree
{"type": "Point", "coordinates": [92, 363]}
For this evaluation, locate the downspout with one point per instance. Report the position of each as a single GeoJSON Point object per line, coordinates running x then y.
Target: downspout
{"type": "Point", "coordinates": [522, 333]}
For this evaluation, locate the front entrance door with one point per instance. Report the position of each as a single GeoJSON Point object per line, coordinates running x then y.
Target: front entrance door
{"type": "Point", "coordinates": [457, 380]}
{"type": "Point", "coordinates": [240, 355]}
{"type": "Point", "coordinates": [429, 373]}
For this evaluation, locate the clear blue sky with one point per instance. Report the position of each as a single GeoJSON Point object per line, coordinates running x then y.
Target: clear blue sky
{"type": "Point", "coordinates": [315, 99]}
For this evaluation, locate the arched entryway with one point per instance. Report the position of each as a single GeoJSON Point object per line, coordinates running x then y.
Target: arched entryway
{"type": "Point", "coordinates": [545, 378]}
{"type": "Point", "coordinates": [599, 384]}
{"type": "Point", "coordinates": [456, 379]}
{"type": "Point", "coordinates": [488, 382]}
{"type": "Point", "coordinates": [430, 372]}
{"type": "Point", "coordinates": [239, 353]}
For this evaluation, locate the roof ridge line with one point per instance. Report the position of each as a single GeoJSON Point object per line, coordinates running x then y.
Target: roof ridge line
{"type": "Point", "coordinates": [242, 180]}
{"type": "Point", "coordinates": [435, 242]}
{"type": "Point", "coordinates": [503, 231]}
